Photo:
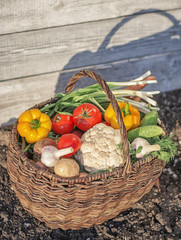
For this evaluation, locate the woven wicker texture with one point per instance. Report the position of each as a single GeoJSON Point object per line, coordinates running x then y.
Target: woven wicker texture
{"type": "Point", "coordinates": [74, 203]}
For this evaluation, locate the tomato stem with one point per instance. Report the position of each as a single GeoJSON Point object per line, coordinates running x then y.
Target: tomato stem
{"type": "Point", "coordinates": [84, 114]}
{"type": "Point", "coordinates": [58, 118]}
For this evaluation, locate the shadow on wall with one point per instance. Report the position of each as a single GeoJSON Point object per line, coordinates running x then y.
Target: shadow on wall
{"type": "Point", "coordinates": [123, 69]}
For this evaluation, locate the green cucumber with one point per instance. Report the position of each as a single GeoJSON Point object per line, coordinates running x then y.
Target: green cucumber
{"type": "Point", "coordinates": [145, 132]}
{"type": "Point", "coordinates": [150, 118]}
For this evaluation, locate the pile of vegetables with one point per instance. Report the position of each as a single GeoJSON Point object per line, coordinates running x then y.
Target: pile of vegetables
{"type": "Point", "coordinates": [79, 134]}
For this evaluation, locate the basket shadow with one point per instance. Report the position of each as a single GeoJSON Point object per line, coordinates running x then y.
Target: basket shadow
{"type": "Point", "coordinates": [101, 60]}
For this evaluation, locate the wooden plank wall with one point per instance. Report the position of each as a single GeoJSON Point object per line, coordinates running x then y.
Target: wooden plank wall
{"type": "Point", "coordinates": [43, 43]}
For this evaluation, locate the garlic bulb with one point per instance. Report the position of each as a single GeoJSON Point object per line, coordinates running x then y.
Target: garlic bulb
{"type": "Point", "coordinates": [146, 147]}
{"type": "Point", "coordinates": [51, 155]}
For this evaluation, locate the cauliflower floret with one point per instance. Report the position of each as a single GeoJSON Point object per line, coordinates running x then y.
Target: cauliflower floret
{"type": "Point", "coordinates": [99, 149]}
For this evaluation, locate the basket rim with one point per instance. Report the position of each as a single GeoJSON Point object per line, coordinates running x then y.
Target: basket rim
{"type": "Point", "coordinates": [117, 171]}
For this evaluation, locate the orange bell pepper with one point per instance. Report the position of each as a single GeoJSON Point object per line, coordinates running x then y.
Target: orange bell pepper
{"type": "Point", "coordinates": [130, 115]}
{"type": "Point", "coordinates": [34, 125]}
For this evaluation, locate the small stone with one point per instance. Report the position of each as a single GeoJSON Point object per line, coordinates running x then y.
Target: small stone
{"type": "Point", "coordinates": [160, 219]}
{"type": "Point", "coordinates": [153, 212]}
{"type": "Point", "coordinates": [175, 176]}
{"type": "Point", "coordinates": [156, 190]}
{"type": "Point", "coordinates": [156, 200]}
{"type": "Point", "coordinates": [157, 227]}
{"type": "Point", "coordinates": [169, 230]}
{"type": "Point", "coordinates": [177, 228]}
{"type": "Point", "coordinates": [27, 224]}
{"type": "Point", "coordinates": [140, 231]}
{"type": "Point", "coordinates": [4, 215]}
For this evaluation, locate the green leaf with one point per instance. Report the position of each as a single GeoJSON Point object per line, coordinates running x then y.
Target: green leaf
{"type": "Point", "coordinates": [168, 148]}
{"type": "Point", "coordinates": [164, 156]}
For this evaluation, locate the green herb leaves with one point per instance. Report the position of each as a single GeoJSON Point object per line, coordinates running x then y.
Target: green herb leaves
{"type": "Point", "coordinates": [168, 148]}
{"type": "Point", "coordinates": [167, 152]}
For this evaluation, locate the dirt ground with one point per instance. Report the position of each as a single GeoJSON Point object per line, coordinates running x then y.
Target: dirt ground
{"type": "Point", "coordinates": [156, 216]}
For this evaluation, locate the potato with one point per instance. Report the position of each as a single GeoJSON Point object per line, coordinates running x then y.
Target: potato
{"type": "Point", "coordinates": [67, 167]}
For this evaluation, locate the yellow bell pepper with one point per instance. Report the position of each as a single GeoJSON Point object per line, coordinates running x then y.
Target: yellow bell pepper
{"type": "Point", "coordinates": [130, 115]}
{"type": "Point", "coordinates": [34, 125]}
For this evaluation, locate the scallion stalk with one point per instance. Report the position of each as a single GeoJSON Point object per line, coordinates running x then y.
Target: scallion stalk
{"type": "Point", "coordinates": [94, 94]}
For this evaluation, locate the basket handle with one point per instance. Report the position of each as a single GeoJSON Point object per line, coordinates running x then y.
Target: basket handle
{"type": "Point", "coordinates": [125, 145]}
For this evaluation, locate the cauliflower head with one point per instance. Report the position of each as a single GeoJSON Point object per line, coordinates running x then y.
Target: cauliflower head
{"type": "Point", "coordinates": [99, 149]}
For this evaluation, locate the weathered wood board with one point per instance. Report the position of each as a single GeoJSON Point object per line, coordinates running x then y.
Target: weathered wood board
{"type": "Point", "coordinates": [25, 15]}
{"type": "Point", "coordinates": [50, 50]}
{"type": "Point", "coordinates": [43, 44]}
{"type": "Point", "coordinates": [19, 95]}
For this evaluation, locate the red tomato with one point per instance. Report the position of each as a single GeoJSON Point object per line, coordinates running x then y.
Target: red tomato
{"type": "Point", "coordinates": [78, 132]}
{"type": "Point", "coordinates": [62, 124]}
{"type": "Point", "coordinates": [69, 140]}
{"type": "Point", "coordinates": [86, 116]}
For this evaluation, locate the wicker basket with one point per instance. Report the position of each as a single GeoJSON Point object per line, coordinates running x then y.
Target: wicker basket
{"type": "Point", "coordinates": [75, 203]}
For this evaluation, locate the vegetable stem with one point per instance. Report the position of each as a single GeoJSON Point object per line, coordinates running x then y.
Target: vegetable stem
{"type": "Point", "coordinates": [26, 148]}
{"type": "Point", "coordinates": [145, 75]}
{"type": "Point", "coordinates": [23, 144]}
{"type": "Point", "coordinates": [118, 84]}
{"type": "Point", "coordinates": [96, 103]}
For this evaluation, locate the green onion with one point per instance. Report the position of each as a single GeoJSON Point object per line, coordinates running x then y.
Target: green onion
{"type": "Point", "coordinates": [94, 94]}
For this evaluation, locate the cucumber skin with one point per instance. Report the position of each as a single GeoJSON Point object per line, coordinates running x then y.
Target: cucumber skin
{"type": "Point", "coordinates": [145, 132]}
{"type": "Point", "coordinates": [150, 118]}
